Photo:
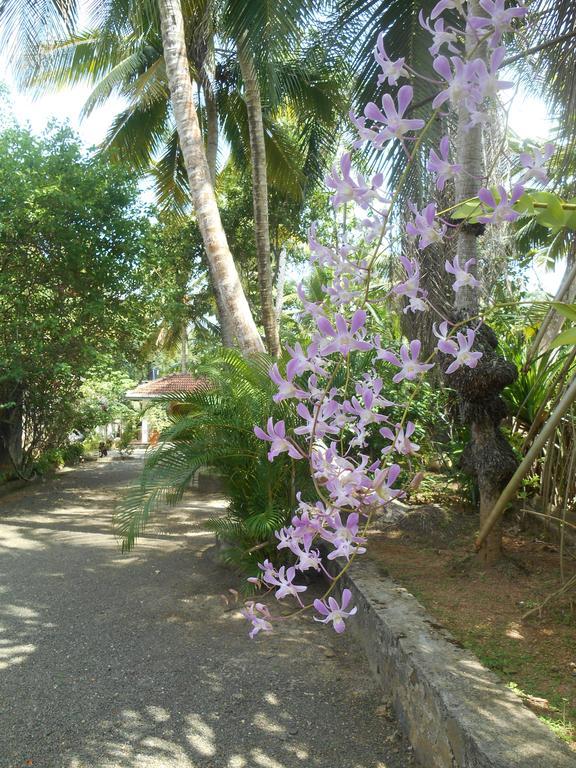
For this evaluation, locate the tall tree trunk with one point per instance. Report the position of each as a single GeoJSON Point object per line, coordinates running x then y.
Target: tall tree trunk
{"type": "Point", "coordinates": [226, 325]}
{"type": "Point", "coordinates": [211, 134]}
{"type": "Point", "coordinates": [488, 457]}
{"type": "Point", "coordinates": [260, 197]}
{"type": "Point", "coordinates": [280, 283]}
{"type": "Point", "coordinates": [224, 273]}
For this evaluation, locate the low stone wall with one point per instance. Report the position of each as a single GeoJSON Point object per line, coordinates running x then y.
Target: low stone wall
{"type": "Point", "coordinates": [455, 712]}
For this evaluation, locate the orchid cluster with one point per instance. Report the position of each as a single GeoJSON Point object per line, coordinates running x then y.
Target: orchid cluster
{"type": "Point", "coordinates": [339, 417]}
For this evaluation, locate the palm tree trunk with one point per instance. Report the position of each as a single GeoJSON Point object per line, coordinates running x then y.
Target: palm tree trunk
{"type": "Point", "coordinates": [488, 457]}
{"type": "Point", "coordinates": [211, 128]}
{"type": "Point", "coordinates": [260, 198]}
{"type": "Point", "coordinates": [226, 325]}
{"type": "Point", "coordinates": [280, 283]}
{"type": "Point", "coordinates": [224, 273]}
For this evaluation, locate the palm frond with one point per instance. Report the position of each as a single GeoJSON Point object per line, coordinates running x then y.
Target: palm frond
{"type": "Point", "coordinates": [214, 427]}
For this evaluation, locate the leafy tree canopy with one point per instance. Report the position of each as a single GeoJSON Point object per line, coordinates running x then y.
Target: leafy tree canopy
{"type": "Point", "coordinates": [73, 240]}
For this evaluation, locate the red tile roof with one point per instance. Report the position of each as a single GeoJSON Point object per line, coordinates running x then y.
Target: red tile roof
{"type": "Point", "coordinates": [167, 385]}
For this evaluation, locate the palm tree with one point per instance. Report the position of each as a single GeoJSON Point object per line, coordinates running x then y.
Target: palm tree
{"type": "Point", "coordinates": [227, 286]}
{"type": "Point", "coordinates": [260, 196]}
{"type": "Point", "coordinates": [304, 89]}
{"type": "Point", "coordinates": [24, 24]}
{"type": "Point", "coordinates": [223, 270]}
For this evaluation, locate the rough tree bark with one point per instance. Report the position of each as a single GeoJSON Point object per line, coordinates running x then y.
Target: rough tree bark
{"type": "Point", "coordinates": [259, 197]}
{"type": "Point", "coordinates": [488, 457]}
{"type": "Point", "coordinates": [224, 273]}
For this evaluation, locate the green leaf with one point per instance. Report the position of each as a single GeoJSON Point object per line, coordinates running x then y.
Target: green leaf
{"type": "Point", "coordinates": [553, 216]}
{"type": "Point", "coordinates": [566, 310]}
{"type": "Point", "coordinates": [566, 337]}
{"type": "Point", "coordinates": [469, 210]}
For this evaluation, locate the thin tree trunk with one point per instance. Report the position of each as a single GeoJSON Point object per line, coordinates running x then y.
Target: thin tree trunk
{"type": "Point", "coordinates": [211, 128]}
{"type": "Point", "coordinates": [260, 198]}
{"type": "Point", "coordinates": [226, 325]}
{"type": "Point", "coordinates": [280, 283]}
{"type": "Point", "coordinates": [488, 457]}
{"type": "Point", "coordinates": [225, 275]}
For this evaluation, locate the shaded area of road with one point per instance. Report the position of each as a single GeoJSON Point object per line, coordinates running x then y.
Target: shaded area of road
{"type": "Point", "coordinates": [134, 661]}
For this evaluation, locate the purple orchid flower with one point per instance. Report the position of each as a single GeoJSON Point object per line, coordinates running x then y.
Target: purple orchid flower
{"type": "Point", "coordinates": [284, 581]}
{"type": "Point", "coordinates": [342, 291]}
{"type": "Point", "coordinates": [487, 77]}
{"type": "Point", "coordinates": [392, 117]}
{"type": "Point", "coordinates": [502, 210]}
{"type": "Point", "coordinates": [344, 536]}
{"type": "Point", "coordinates": [410, 367]}
{"type": "Point", "coordinates": [536, 163]}
{"type": "Point", "coordinates": [411, 286]}
{"type": "Point", "coordinates": [347, 189]}
{"type": "Point", "coordinates": [440, 35]}
{"type": "Point", "coordinates": [312, 308]}
{"type": "Point", "coordinates": [319, 252]}
{"type": "Point", "coordinates": [462, 274]}
{"type": "Point", "coordinates": [333, 612]}
{"type": "Point", "coordinates": [305, 528]}
{"type": "Point", "coordinates": [301, 361]}
{"type": "Point", "coordinates": [316, 420]}
{"type": "Point", "coordinates": [463, 353]}
{"type": "Point", "coordinates": [401, 442]}
{"type": "Point", "coordinates": [365, 135]}
{"type": "Point", "coordinates": [374, 227]}
{"type": "Point", "coordinates": [369, 393]}
{"type": "Point", "coordinates": [384, 479]}
{"type": "Point", "coordinates": [442, 332]}
{"type": "Point", "coordinates": [286, 387]}
{"type": "Point", "coordinates": [307, 559]}
{"type": "Point", "coordinates": [268, 571]}
{"type": "Point", "coordinates": [343, 338]}
{"type": "Point", "coordinates": [277, 436]}
{"type": "Point", "coordinates": [425, 227]}
{"type": "Point", "coordinates": [441, 166]}
{"type": "Point", "coordinates": [392, 71]}
{"type": "Point", "coordinates": [285, 537]}
{"type": "Point", "coordinates": [259, 615]}
{"type": "Point", "coordinates": [461, 82]}
{"type": "Point", "coordinates": [445, 5]}
{"type": "Point", "coordinates": [498, 17]}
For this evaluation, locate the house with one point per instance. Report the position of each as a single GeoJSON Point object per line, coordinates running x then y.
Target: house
{"type": "Point", "coordinates": [158, 389]}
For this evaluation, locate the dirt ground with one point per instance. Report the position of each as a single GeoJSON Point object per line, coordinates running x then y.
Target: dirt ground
{"type": "Point", "coordinates": [483, 609]}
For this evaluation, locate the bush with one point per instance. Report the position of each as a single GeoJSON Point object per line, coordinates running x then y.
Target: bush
{"type": "Point", "coordinates": [214, 428]}
{"type": "Point", "coordinates": [72, 453]}
{"type": "Point", "coordinates": [48, 463]}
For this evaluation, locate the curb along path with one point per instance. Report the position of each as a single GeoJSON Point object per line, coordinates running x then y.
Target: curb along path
{"type": "Point", "coordinates": [456, 712]}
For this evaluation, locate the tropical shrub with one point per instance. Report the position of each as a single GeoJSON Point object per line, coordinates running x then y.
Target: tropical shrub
{"type": "Point", "coordinates": [213, 428]}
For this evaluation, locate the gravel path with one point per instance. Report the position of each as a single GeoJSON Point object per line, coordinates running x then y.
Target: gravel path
{"type": "Point", "coordinates": [134, 661]}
